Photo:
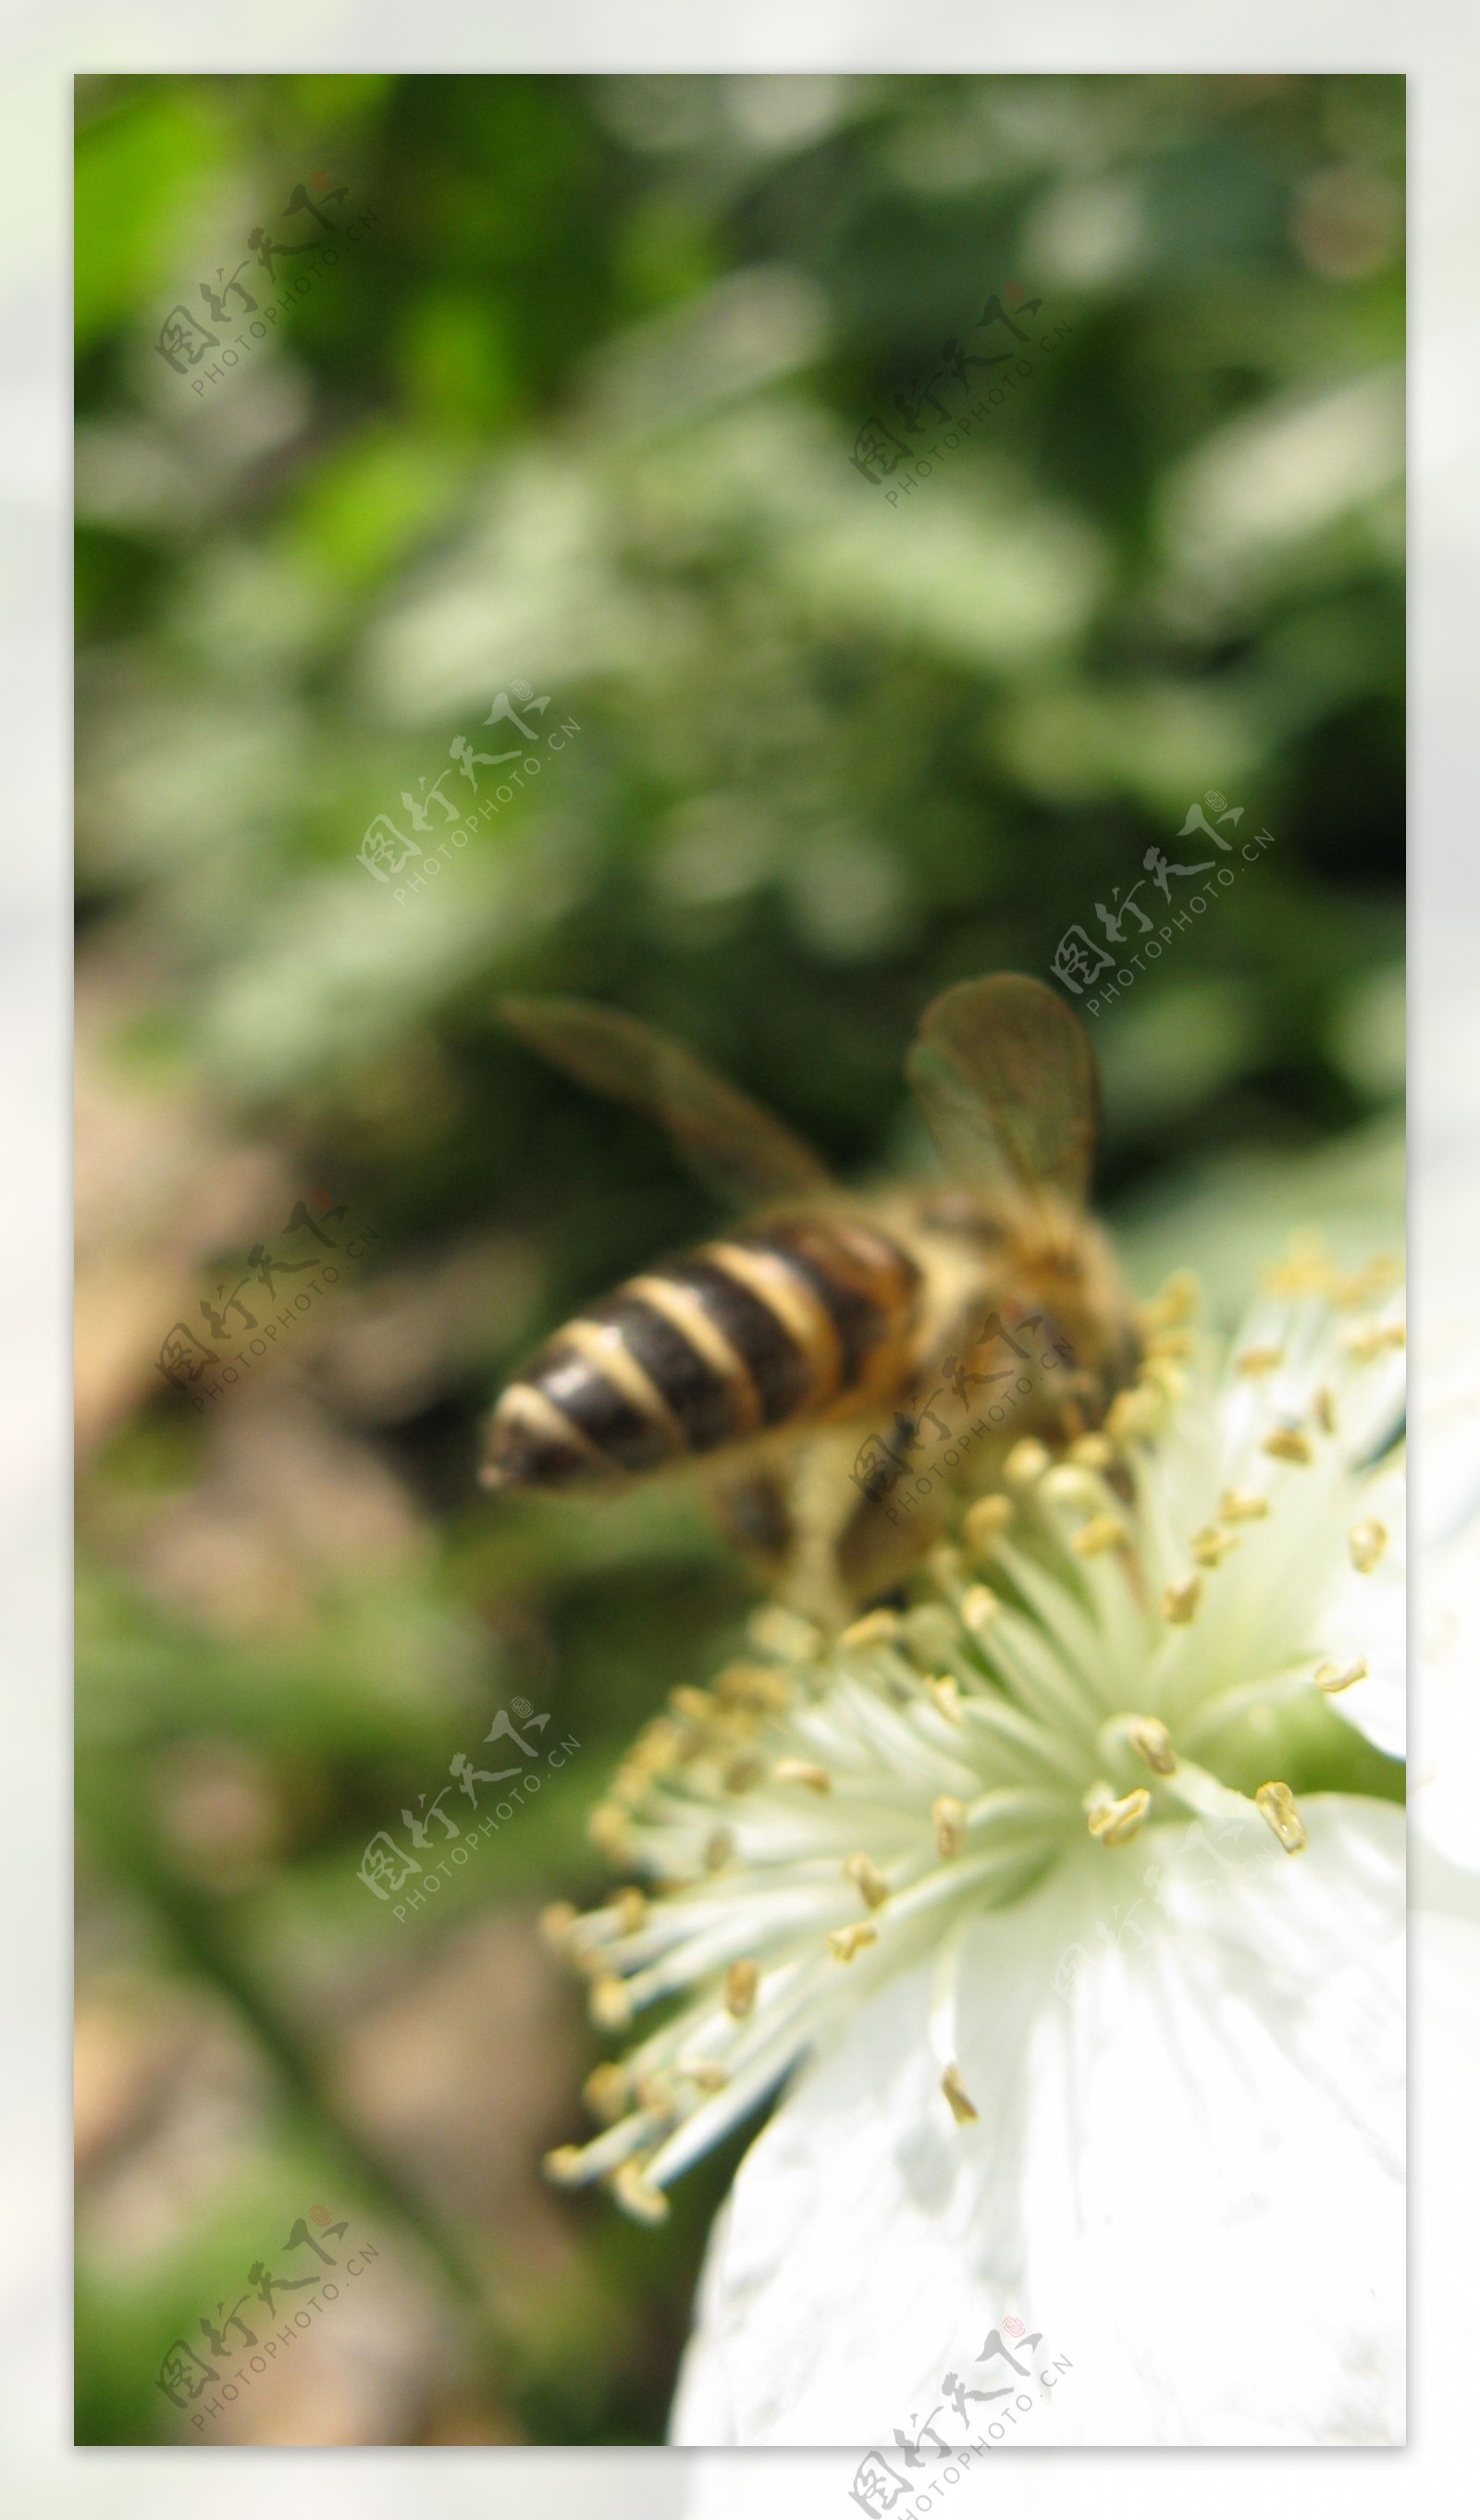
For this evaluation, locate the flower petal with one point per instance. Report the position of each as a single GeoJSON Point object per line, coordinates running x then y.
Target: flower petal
{"type": "Point", "coordinates": [1185, 2170]}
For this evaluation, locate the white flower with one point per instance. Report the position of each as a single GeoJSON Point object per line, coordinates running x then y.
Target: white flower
{"type": "Point", "coordinates": [1013, 1870]}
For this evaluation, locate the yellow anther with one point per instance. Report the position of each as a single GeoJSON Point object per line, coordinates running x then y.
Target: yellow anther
{"type": "Point", "coordinates": [979, 1607]}
{"type": "Point", "coordinates": [564, 2165]}
{"type": "Point", "coordinates": [945, 1696]}
{"type": "Point", "coordinates": [604, 2093]}
{"type": "Point", "coordinates": [1148, 1736]}
{"type": "Point", "coordinates": [1259, 1359]}
{"type": "Point", "coordinates": [949, 1818]}
{"type": "Point", "coordinates": [753, 1685]}
{"type": "Point", "coordinates": [1210, 1546]}
{"type": "Point", "coordinates": [1115, 1822]}
{"type": "Point", "coordinates": [1134, 1415]}
{"type": "Point", "coordinates": [1068, 1484]}
{"type": "Point", "coordinates": [1366, 1341]}
{"type": "Point", "coordinates": [708, 2076]}
{"type": "Point", "coordinates": [695, 1705]}
{"type": "Point", "coordinates": [785, 1634]}
{"type": "Point", "coordinates": [1091, 1453]}
{"type": "Point", "coordinates": [1276, 1804]}
{"type": "Point", "coordinates": [743, 1773]}
{"type": "Point", "coordinates": [610, 2003]}
{"type": "Point", "coordinates": [1026, 1462]}
{"type": "Point", "coordinates": [1103, 1531]}
{"type": "Point", "coordinates": [1335, 1677]}
{"type": "Point", "coordinates": [871, 1886]}
{"type": "Point", "coordinates": [1288, 1444]}
{"type": "Point", "coordinates": [555, 1922]}
{"type": "Point", "coordinates": [719, 1847]}
{"type": "Point", "coordinates": [985, 1522]}
{"type": "Point", "coordinates": [849, 1940]}
{"type": "Point", "coordinates": [607, 1828]}
{"type": "Point", "coordinates": [1175, 1302]}
{"type": "Point", "coordinates": [741, 1979]}
{"type": "Point", "coordinates": [1324, 1411]}
{"type": "Point", "coordinates": [945, 1566]}
{"type": "Point", "coordinates": [802, 1772]}
{"type": "Point", "coordinates": [877, 1628]}
{"type": "Point", "coordinates": [1178, 1602]}
{"type": "Point", "coordinates": [1241, 1504]}
{"type": "Point", "coordinates": [1367, 1543]}
{"type": "Point", "coordinates": [631, 1908]}
{"type": "Point", "coordinates": [637, 2195]}
{"type": "Point", "coordinates": [962, 2108]}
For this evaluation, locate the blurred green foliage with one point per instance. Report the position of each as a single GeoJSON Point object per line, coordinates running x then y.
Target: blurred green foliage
{"type": "Point", "coordinates": [574, 413]}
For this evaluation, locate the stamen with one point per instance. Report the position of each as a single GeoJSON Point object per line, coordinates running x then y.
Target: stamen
{"type": "Point", "coordinates": [1179, 1601]}
{"type": "Point", "coordinates": [708, 2076]}
{"type": "Point", "coordinates": [1150, 1738]}
{"type": "Point", "coordinates": [607, 1828]}
{"type": "Point", "coordinates": [565, 2166]}
{"type": "Point", "coordinates": [785, 1634]}
{"type": "Point", "coordinates": [945, 1695]}
{"type": "Point", "coordinates": [555, 1922]}
{"type": "Point", "coordinates": [949, 1818]}
{"type": "Point", "coordinates": [979, 1607]}
{"type": "Point", "coordinates": [743, 1773]}
{"type": "Point", "coordinates": [1259, 1359]}
{"type": "Point", "coordinates": [741, 1978]}
{"type": "Point", "coordinates": [1335, 1677]}
{"type": "Point", "coordinates": [610, 2003]}
{"type": "Point", "coordinates": [753, 1685]}
{"type": "Point", "coordinates": [986, 1521]}
{"type": "Point", "coordinates": [802, 1772]}
{"type": "Point", "coordinates": [719, 1849]}
{"type": "Point", "coordinates": [962, 2108]}
{"type": "Point", "coordinates": [1324, 1411]}
{"type": "Point", "coordinates": [1176, 1302]}
{"type": "Point", "coordinates": [695, 1705]}
{"type": "Point", "coordinates": [1026, 1463]}
{"type": "Point", "coordinates": [1367, 1543]}
{"type": "Point", "coordinates": [1241, 1504]}
{"type": "Point", "coordinates": [604, 2093]}
{"type": "Point", "coordinates": [1277, 1805]}
{"type": "Point", "coordinates": [878, 1627]}
{"type": "Point", "coordinates": [1366, 1341]}
{"type": "Point", "coordinates": [1115, 1822]}
{"type": "Point", "coordinates": [1092, 1453]}
{"type": "Point", "coordinates": [631, 1909]}
{"type": "Point", "coordinates": [1288, 1444]}
{"type": "Point", "coordinates": [873, 1886]}
{"type": "Point", "coordinates": [1103, 1531]}
{"type": "Point", "coordinates": [637, 2195]}
{"type": "Point", "coordinates": [1210, 1546]}
{"type": "Point", "coordinates": [849, 1940]}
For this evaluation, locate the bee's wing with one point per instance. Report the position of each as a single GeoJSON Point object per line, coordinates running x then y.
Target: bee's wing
{"type": "Point", "coordinates": [728, 1140]}
{"type": "Point", "coordinates": [1005, 1075]}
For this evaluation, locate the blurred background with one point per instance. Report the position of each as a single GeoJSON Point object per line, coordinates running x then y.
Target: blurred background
{"type": "Point", "coordinates": [569, 419]}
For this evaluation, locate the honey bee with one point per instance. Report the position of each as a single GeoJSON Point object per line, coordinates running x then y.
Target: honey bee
{"type": "Point", "coordinates": [768, 1351]}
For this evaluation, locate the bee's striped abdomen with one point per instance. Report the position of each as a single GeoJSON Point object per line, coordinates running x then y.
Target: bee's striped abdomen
{"type": "Point", "coordinates": [745, 1334]}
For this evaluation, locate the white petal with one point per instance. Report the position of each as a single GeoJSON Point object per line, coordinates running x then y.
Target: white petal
{"type": "Point", "coordinates": [1187, 2173]}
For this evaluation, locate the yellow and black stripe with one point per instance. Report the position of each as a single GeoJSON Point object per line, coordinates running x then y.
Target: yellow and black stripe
{"type": "Point", "coordinates": [755, 1331]}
